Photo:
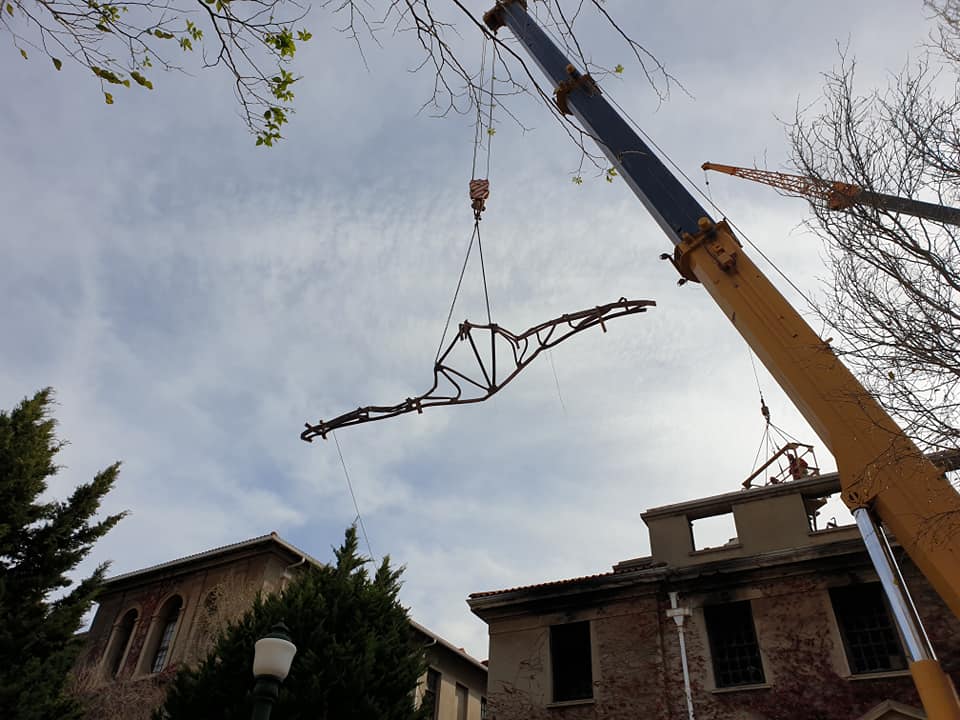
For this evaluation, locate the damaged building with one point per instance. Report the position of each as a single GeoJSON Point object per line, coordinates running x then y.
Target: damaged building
{"type": "Point", "coordinates": [786, 621]}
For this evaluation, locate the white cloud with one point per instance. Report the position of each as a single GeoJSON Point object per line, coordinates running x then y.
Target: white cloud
{"type": "Point", "coordinates": [194, 301]}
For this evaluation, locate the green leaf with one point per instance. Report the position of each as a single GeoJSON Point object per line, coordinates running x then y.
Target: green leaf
{"type": "Point", "coordinates": [491, 131]}
{"type": "Point", "coordinates": [577, 180]}
{"type": "Point", "coordinates": [108, 98]}
{"type": "Point", "coordinates": [57, 63]}
{"type": "Point", "coordinates": [141, 80]}
{"type": "Point", "coordinates": [10, 8]}
{"type": "Point", "coordinates": [109, 75]}
{"type": "Point", "coordinates": [618, 69]}
{"type": "Point", "coordinates": [24, 53]}
{"type": "Point", "coordinates": [304, 35]}
{"type": "Point", "coordinates": [162, 34]}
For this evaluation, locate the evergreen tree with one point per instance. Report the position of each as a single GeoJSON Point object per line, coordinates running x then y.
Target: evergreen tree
{"type": "Point", "coordinates": [356, 656]}
{"type": "Point", "coordinates": [41, 540]}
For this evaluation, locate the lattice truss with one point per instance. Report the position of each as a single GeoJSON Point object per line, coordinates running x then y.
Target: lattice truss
{"type": "Point", "coordinates": [492, 357]}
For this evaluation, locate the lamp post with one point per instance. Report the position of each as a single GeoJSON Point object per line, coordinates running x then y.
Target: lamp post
{"type": "Point", "coordinates": [272, 657]}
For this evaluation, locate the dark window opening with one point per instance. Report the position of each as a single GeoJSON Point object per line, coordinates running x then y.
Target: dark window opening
{"type": "Point", "coordinates": [869, 637]}
{"type": "Point", "coordinates": [120, 641]}
{"type": "Point", "coordinates": [733, 645]}
{"type": "Point", "coordinates": [572, 665]}
{"type": "Point", "coordinates": [483, 708]}
{"type": "Point", "coordinates": [168, 624]}
{"type": "Point", "coordinates": [430, 694]}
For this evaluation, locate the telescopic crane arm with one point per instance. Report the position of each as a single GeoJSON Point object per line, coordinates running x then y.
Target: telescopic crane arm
{"type": "Point", "coordinates": [883, 474]}
{"type": "Point", "coordinates": [839, 195]}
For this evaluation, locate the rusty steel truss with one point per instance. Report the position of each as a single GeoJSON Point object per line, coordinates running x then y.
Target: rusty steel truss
{"type": "Point", "coordinates": [485, 381]}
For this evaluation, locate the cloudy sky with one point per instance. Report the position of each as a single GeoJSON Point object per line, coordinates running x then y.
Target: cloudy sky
{"type": "Point", "coordinates": [194, 299]}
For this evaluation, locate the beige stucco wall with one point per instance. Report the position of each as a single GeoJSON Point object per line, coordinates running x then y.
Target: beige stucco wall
{"type": "Point", "coordinates": [454, 670]}
{"type": "Point", "coordinates": [765, 522]}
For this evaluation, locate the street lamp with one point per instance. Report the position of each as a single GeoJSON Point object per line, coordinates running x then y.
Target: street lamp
{"type": "Point", "coordinates": [272, 656]}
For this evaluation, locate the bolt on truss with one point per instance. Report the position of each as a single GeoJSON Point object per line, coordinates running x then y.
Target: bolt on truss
{"type": "Point", "coordinates": [459, 387]}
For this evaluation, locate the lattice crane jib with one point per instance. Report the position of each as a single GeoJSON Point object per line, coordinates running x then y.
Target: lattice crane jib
{"type": "Point", "coordinates": [840, 195]}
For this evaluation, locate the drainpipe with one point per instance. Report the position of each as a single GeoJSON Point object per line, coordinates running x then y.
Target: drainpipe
{"type": "Point", "coordinates": [680, 614]}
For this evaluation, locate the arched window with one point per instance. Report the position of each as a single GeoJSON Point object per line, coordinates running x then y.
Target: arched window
{"type": "Point", "coordinates": [121, 639]}
{"type": "Point", "coordinates": [162, 639]}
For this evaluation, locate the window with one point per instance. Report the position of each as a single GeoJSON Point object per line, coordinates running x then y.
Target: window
{"type": "Point", "coordinates": [431, 694]}
{"type": "Point", "coordinates": [869, 637]}
{"type": "Point", "coordinates": [733, 645]}
{"type": "Point", "coordinates": [714, 531]}
{"type": "Point", "coordinates": [483, 708]}
{"type": "Point", "coordinates": [163, 633]}
{"type": "Point", "coordinates": [121, 639]}
{"type": "Point", "coordinates": [570, 658]}
{"type": "Point", "coordinates": [462, 697]}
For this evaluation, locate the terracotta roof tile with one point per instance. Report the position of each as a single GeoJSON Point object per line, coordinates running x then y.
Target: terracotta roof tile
{"type": "Point", "coordinates": [552, 583]}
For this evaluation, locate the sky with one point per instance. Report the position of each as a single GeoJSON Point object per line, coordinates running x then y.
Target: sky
{"type": "Point", "coordinates": [194, 299]}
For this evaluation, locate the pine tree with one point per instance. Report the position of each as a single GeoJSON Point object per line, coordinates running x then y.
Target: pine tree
{"type": "Point", "coordinates": [41, 541]}
{"type": "Point", "coordinates": [356, 656]}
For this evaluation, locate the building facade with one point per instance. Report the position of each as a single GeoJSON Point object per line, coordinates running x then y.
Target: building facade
{"type": "Point", "coordinates": [152, 621]}
{"type": "Point", "coordinates": [784, 621]}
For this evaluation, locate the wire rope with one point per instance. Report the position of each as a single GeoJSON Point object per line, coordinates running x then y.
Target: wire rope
{"type": "Point", "coordinates": [478, 126]}
{"type": "Point", "coordinates": [708, 199]}
{"type": "Point", "coordinates": [490, 131]}
{"type": "Point", "coordinates": [456, 293]}
{"type": "Point", "coordinates": [483, 271]}
{"type": "Point", "coordinates": [556, 379]}
{"type": "Point", "coordinates": [356, 505]}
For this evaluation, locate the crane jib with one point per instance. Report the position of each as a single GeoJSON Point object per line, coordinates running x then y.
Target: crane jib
{"type": "Point", "coordinates": [671, 204]}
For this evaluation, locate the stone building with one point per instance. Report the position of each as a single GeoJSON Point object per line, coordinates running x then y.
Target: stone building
{"type": "Point", "coordinates": [151, 621]}
{"type": "Point", "coordinates": [785, 621]}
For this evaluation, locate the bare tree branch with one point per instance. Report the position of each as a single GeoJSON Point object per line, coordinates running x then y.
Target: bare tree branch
{"type": "Point", "coordinates": [894, 294]}
{"type": "Point", "coordinates": [121, 42]}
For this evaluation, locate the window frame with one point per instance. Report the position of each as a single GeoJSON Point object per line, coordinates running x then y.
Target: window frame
{"type": "Point", "coordinates": [722, 674]}
{"type": "Point", "coordinates": [116, 653]}
{"type": "Point", "coordinates": [559, 692]}
{"type": "Point", "coordinates": [854, 652]}
{"type": "Point", "coordinates": [463, 701]}
{"type": "Point", "coordinates": [162, 636]}
{"type": "Point", "coordinates": [433, 693]}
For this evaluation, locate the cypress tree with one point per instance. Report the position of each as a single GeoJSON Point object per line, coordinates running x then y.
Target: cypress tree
{"type": "Point", "coordinates": [357, 658]}
{"type": "Point", "coordinates": [41, 541]}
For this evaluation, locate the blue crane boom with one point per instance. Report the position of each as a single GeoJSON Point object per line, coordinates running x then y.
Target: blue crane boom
{"type": "Point", "coordinates": [670, 204]}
